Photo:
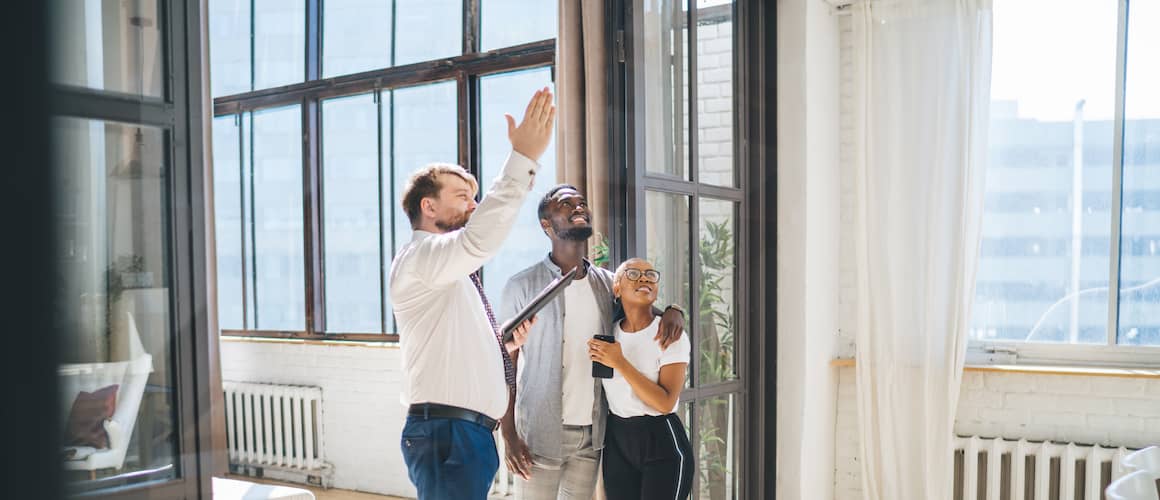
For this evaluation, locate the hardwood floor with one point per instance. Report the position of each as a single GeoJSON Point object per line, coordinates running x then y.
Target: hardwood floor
{"type": "Point", "coordinates": [321, 494]}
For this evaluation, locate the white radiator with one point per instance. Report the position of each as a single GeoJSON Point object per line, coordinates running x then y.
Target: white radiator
{"type": "Point", "coordinates": [1028, 470]}
{"type": "Point", "coordinates": [276, 426]}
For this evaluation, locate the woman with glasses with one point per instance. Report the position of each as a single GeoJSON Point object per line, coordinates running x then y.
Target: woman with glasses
{"type": "Point", "coordinates": [646, 451]}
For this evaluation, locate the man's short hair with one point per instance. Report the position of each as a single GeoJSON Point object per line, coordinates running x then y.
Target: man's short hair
{"type": "Point", "coordinates": [424, 183]}
{"type": "Point", "coordinates": [542, 211]}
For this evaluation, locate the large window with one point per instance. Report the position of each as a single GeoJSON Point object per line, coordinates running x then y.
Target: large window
{"type": "Point", "coordinates": [322, 110]}
{"type": "Point", "coordinates": [1071, 230]}
{"type": "Point", "coordinates": [129, 299]}
{"type": "Point", "coordinates": [688, 197]}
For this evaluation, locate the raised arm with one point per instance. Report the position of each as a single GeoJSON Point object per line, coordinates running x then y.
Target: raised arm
{"type": "Point", "coordinates": [451, 256]}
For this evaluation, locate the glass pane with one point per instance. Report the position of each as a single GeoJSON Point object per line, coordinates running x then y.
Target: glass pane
{"type": "Point", "coordinates": [248, 264]}
{"type": "Point", "coordinates": [431, 134]}
{"type": "Point", "coordinates": [667, 244]}
{"type": "Point", "coordinates": [716, 443]}
{"type": "Point", "coordinates": [509, 93]}
{"type": "Point", "coordinates": [108, 45]}
{"type": "Point", "coordinates": [428, 29]}
{"type": "Point", "coordinates": [227, 201]}
{"type": "Point", "coordinates": [664, 71]}
{"type": "Point", "coordinates": [356, 36]}
{"type": "Point", "coordinates": [277, 220]}
{"type": "Point", "coordinates": [1043, 266]}
{"type": "Point", "coordinates": [716, 292]}
{"type": "Point", "coordinates": [117, 384]}
{"type": "Point", "coordinates": [229, 47]}
{"type": "Point", "coordinates": [279, 43]}
{"type": "Point", "coordinates": [514, 22]}
{"type": "Point", "coordinates": [715, 95]}
{"type": "Point", "coordinates": [1140, 229]}
{"type": "Point", "coordinates": [350, 208]}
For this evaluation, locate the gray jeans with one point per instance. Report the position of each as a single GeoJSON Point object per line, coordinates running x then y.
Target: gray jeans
{"type": "Point", "coordinates": [570, 478]}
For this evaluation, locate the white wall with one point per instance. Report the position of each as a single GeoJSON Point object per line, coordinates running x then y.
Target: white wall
{"type": "Point", "coordinates": [362, 416]}
{"type": "Point", "coordinates": [1108, 411]}
{"type": "Point", "coordinates": [808, 221]}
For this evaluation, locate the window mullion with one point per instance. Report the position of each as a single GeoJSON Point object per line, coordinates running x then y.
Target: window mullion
{"type": "Point", "coordinates": [242, 219]}
{"type": "Point", "coordinates": [1117, 174]}
{"type": "Point", "coordinates": [384, 229]}
{"type": "Point", "coordinates": [313, 250]}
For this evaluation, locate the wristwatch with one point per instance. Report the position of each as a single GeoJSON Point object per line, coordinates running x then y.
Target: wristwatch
{"type": "Point", "coordinates": [678, 308]}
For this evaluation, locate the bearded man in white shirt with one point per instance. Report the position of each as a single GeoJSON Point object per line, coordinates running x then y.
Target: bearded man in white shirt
{"type": "Point", "coordinates": [456, 369]}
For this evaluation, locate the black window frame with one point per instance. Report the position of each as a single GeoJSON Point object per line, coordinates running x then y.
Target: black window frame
{"type": "Point", "coordinates": [178, 113]}
{"type": "Point", "coordinates": [465, 69]}
{"type": "Point", "coordinates": [755, 162]}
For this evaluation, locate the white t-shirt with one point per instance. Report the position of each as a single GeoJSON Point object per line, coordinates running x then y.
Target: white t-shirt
{"type": "Point", "coordinates": [645, 354]}
{"type": "Point", "coordinates": [582, 320]}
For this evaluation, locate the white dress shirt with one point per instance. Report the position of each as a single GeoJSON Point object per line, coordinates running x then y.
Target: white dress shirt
{"type": "Point", "coordinates": [450, 353]}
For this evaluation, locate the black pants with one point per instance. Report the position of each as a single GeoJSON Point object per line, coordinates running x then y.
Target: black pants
{"type": "Point", "coordinates": [647, 458]}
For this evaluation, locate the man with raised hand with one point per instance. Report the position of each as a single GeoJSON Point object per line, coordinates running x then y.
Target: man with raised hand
{"type": "Point", "coordinates": [456, 368]}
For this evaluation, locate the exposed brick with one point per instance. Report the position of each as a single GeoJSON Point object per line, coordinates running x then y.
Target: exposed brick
{"type": "Point", "coordinates": [1066, 419]}
{"type": "Point", "coordinates": [1004, 415]}
{"type": "Point", "coordinates": [1062, 384]}
{"type": "Point", "coordinates": [1009, 382]}
{"type": "Point", "coordinates": [1118, 386]}
{"type": "Point", "coordinates": [1115, 422]}
{"type": "Point", "coordinates": [1138, 407]}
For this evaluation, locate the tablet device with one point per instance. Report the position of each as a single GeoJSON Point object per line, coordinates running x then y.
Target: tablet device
{"type": "Point", "coordinates": [546, 295]}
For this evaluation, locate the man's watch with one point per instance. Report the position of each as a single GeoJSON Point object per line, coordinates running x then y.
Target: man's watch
{"type": "Point", "coordinates": [678, 308]}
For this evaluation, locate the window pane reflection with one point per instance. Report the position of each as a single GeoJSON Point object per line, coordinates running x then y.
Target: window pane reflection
{"type": "Point", "coordinates": [717, 310]}
{"type": "Point", "coordinates": [667, 244]}
{"type": "Point", "coordinates": [108, 45]}
{"type": "Point", "coordinates": [117, 382]}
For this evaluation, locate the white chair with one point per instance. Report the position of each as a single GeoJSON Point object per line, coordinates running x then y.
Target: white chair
{"type": "Point", "coordinates": [1138, 485]}
{"type": "Point", "coordinates": [1147, 460]}
{"type": "Point", "coordinates": [132, 376]}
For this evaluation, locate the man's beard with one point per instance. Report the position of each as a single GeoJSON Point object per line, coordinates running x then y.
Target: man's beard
{"type": "Point", "coordinates": [575, 234]}
{"type": "Point", "coordinates": [453, 224]}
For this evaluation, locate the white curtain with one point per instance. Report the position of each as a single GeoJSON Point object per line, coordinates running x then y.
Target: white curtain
{"type": "Point", "coordinates": [922, 93]}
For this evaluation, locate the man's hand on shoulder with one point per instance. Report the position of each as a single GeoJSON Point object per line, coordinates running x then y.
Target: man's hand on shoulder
{"type": "Point", "coordinates": [672, 324]}
{"type": "Point", "coordinates": [531, 137]}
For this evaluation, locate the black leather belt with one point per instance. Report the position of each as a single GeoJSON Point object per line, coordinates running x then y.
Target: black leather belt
{"type": "Point", "coordinates": [434, 410]}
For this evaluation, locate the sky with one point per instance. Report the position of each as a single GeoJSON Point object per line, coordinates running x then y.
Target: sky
{"type": "Point", "coordinates": [1049, 54]}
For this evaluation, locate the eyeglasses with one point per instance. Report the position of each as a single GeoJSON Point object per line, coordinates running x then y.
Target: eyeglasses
{"type": "Point", "coordinates": [635, 274]}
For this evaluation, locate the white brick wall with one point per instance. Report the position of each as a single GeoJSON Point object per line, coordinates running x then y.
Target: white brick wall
{"type": "Point", "coordinates": [362, 416]}
{"type": "Point", "coordinates": [1089, 410]}
{"type": "Point", "coordinates": [1109, 411]}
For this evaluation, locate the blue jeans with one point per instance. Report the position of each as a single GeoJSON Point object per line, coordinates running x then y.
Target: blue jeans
{"type": "Point", "coordinates": [449, 459]}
